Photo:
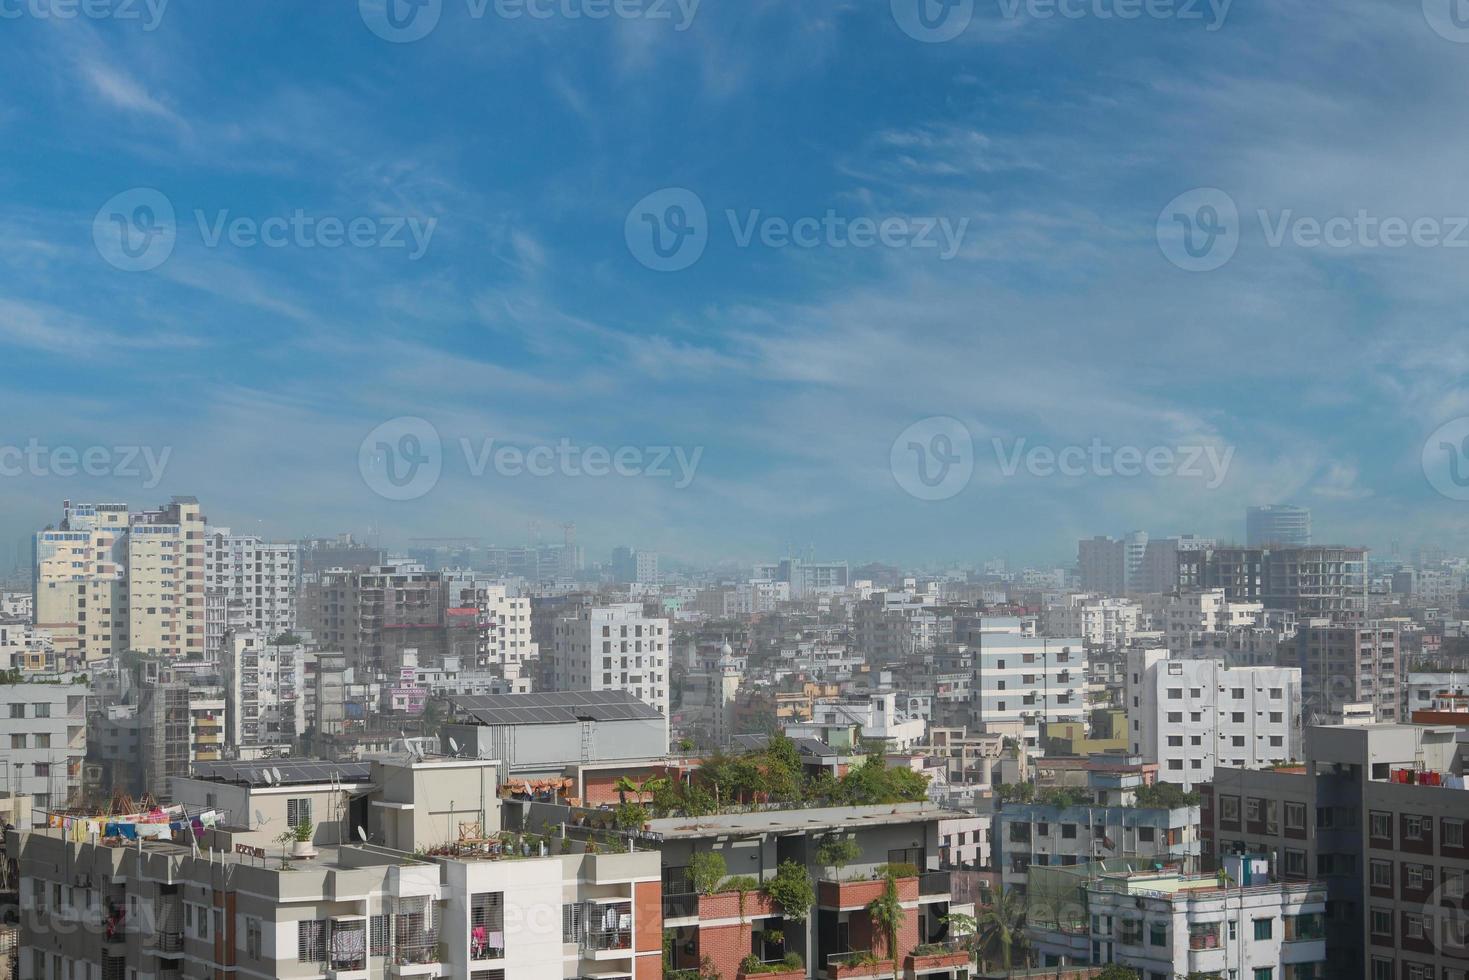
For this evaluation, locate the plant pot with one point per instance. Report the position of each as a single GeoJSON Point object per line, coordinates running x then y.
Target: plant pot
{"type": "Point", "coordinates": [302, 849]}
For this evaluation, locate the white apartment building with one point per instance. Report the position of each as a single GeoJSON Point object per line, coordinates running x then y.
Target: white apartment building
{"type": "Point", "coordinates": [1184, 614]}
{"type": "Point", "coordinates": [1102, 621]}
{"type": "Point", "coordinates": [1190, 715]}
{"type": "Point", "coordinates": [108, 580]}
{"type": "Point", "coordinates": [43, 741]}
{"type": "Point", "coordinates": [1424, 688]}
{"type": "Point", "coordinates": [504, 622]}
{"type": "Point", "coordinates": [17, 605]}
{"type": "Point", "coordinates": [610, 648]}
{"type": "Point", "coordinates": [1165, 924]}
{"type": "Point", "coordinates": [1021, 679]}
{"type": "Point", "coordinates": [257, 581]}
{"type": "Point", "coordinates": [265, 705]}
{"type": "Point", "coordinates": [877, 715]}
{"type": "Point", "coordinates": [23, 647]}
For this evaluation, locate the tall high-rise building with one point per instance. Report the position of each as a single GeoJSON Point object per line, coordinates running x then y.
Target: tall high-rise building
{"type": "Point", "coordinates": [1277, 524]}
{"type": "Point", "coordinates": [250, 584]}
{"type": "Point", "coordinates": [1351, 663]}
{"type": "Point", "coordinates": [108, 580]}
{"type": "Point", "coordinates": [1101, 565]}
{"type": "Point", "coordinates": [1316, 581]}
{"type": "Point", "coordinates": [608, 648]}
{"type": "Point", "coordinates": [372, 616]}
{"type": "Point", "coordinates": [1159, 569]}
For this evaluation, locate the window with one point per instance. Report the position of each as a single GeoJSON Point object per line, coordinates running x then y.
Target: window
{"type": "Point", "coordinates": [1175, 717]}
{"type": "Point", "coordinates": [1175, 741]}
{"type": "Point", "coordinates": [1237, 693]}
{"type": "Point", "coordinates": [1264, 972]}
{"type": "Point", "coordinates": [1412, 827]}
{"type": "Point", "coordinates": [1229, 808]}
{"type": "Point", "coordinates": [1158, 934]}
{"type": "Point", "coordinates": [1264, 928]}
{"type": "Point", "coordinates": [1453, 832]}
{"type": "Point", "coordinates": [17, 741]}
{"type": "Point", "coordinates": [1068, 831]}
{"type": "Point", "coordinates": [487, 926]}
{"type": "Point", "coordinates": [1145, 835]}
{"type": "Point", "coordinates": [1381, 873]}
{"type": "Point", "coordinates": [1175, 693]}
{"type": "Point", "coordinates": [311, 941]}
{"type": "Point", "coordinates": [1382, 969]}
{"type": "Point", "coordinates": [252, 938]}
{"type": "Point", "coordinates": [1414, 876]}
{"type": "Point", "coordinates": [379, 935]}
{"type": "Point", "coordinates": [1380, 825]}
{"type": "Point", "coordinates": [1295, 816]}
{"type": "Point", "coordinates": [17, 711]}
{"type": "Point", "coordinates": [298, 811]}
{"type": "Point", "coordinates": [1252, 809]}
{"type": "Point", "coordinates": [43, 710]}
{"type": "Point", "coordinates": [1295, 862]}
{"type": "Point", "coordinates": [1413, 925]}
{"type": "Point", "coordinates": [571, 919]}
{"type": "Point", "coordinates": [1381, 920]}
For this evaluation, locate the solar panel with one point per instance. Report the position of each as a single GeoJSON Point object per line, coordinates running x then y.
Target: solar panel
{"type": "Point", "coordinates": [552, 707]}
{"type": "Point", "coordinates": [293, 771]}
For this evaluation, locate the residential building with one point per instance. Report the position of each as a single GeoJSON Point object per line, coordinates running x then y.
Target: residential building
{"type": "Point", "coordinates": [43, 742]}
{"type": "Point", "coordinates": [1310, 581]}
{"type": "Point", "coordinates": [1348, 663]}
{"type": "Point", "coordinates": [371, 616]}
{"type": "Point", "coordinates": [1190, 715]}
{"type": "Point", "coordinates": [1104, 622]}
{"type": "Point", "coordinates": [806, 579]}
{"type": "Point", "coordinates": [253, 584]}
{"type": "Point", "coordinates": [1021, 679]}
{"type": "Point", "coordinates": [609, 648]}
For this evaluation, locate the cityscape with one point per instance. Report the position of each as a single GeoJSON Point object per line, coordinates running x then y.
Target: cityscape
{"type": "Point", "coordinates": [760, 490]}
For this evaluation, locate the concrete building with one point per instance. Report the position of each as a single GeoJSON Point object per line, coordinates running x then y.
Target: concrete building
{"type": "Point", "coordinates": [1351, 663]}
{"type": "Point", "coordinates": [1101, 565]}
{"type": "Point", "coordinates": [505, 641]}
{"type": "Point", "coordinates": [1021, 679]}
{"type": "Point", "coordinates": [1159, 571]}
{"type": "Point", "coordinates": [108, 581]}
{"type": "Point", "coordinates": [253, 584]}
{"type": "Point", "coordinates": [1277, 524]}
{"type": "Point", "coordinates": [264, 692]}
{"type": "Point", "coordinates": [1315, 581]}
{"type": "Point", "coordinates": [806, 579]}
{"type": "Point", "coordinates": [1103, 622]}
{"type": "Point", "coordinates": [1165, 924]}
{"type": "Point", "coordinates": [372, 616]}
{"type": "Point", "coordinates": [610, 648]}
{"type": "Point", "coordinates": [1182, 615]}
{"type": "Point", "coordinates": [478, 906]}
{"type": "Point", "coordinates": [1190, 715]}
{"type": "Point", "coordinates": [876, 716]}
{"type": "Point", "coordinates": [43, 742]}
{"type": "Point", "coordinates": [1377, 812]}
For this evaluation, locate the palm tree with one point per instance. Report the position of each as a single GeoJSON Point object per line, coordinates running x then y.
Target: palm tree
{"type": "Point", "coordinates": [887, 914]}
{"type": "Point", "coordinates": [1001, 924]}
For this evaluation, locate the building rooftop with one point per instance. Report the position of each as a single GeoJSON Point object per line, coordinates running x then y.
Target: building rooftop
{"type": "Point", "coordinates": [813, 819]}
{"type": "Point", "coordinates": [282, 772]}
{"type": "Point", "coordinates": [553, 707]}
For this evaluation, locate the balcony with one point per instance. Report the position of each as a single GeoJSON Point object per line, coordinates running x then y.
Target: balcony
{"type": "Point", "coordinates": [858, 894]}
{"type": "Point", "coordinates": [780, 969]}
{"type": "Point", "coordinates": [936, 958]}
{"type": "Point", "coordinates": [857, 964]}
{"type": "Point", "coordinates": [934, 884]}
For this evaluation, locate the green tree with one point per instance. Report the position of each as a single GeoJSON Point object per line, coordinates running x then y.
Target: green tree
{"type": "Point", "coordinates": [1000, 926]}
{"type": "Point", "coordinates": [708, 869]}
{"type": "Point", "coordinates": [962, 927]}
{"type": "Point", "coordinates": [792, 890]}
{"type": "Point", "coordinates": [1116, 971]}
{"type": "Point", "coordinates": [837, 853]}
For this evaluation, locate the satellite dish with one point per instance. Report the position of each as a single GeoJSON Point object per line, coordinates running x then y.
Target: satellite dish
{"type": "Point", "coordinates": [453, 745]}
{"type": "Point", "coordinates": [260, 818]}
{"type": "Point", "coordinates": [277, 774]}
{"type": "Point", "coordinates": [362, 834]}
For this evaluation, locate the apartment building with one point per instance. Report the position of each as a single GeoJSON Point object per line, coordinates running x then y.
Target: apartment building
{"type": "Point", "coordinates": [1351, 663]}
{"type": "Point", "coordinates": [1021, 679]}
{"type": "Point", "coordinates": [806, 579]}
{"type": "Point", "coordinates": [371, 616]}
{"type": "Point", "coordinates": [264, 678]}
{"type": "Point", "coordinates": [1190, 715]}
{"type": "Point", "coordinates": [472, 904]}
{"type": "Point", "coordinates": [43, 742]}
{"type": "Point", "coordinates": [1376, 813]}
{"type": "Point", "coordinates": [1043, 835]}
{"type": "Point", "coordinates": [252, 584]}
{"type": "Point", "coordinates": [1182, 615]}
{"type": "Point", "coordinates": [616, 647]}
{"type": "Point", "coordinates": [26, 648]}
{"type": "Point", "coordinates": [1310, 581]}
{"type": "Point", "coordinates": [1166, 924]}
{"type": "Point", "coordinates": [108, 580]}
{"type": "Point", "coordinates": [1104, 622]}
{"type": "Point", "coordinates": [839, 928]}
{"type": "Point", "coordinates": [505, 640]}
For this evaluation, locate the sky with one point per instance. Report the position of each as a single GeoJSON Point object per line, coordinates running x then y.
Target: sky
{"type": "Point", "coordinates": [888, 279]}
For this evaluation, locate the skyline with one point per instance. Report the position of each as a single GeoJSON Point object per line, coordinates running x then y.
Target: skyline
{"type": "Point", "coordinates": [1078, 231]}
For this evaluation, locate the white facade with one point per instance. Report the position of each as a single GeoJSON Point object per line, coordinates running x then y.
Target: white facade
{"type": "Point", "coordinates": [43, 740]}
{"type": "Point", "coordinates": [1022, 679]}
{"type": "Point", "coordinates": [264, 691]}
{"type": "Point", "coordinates": [259, 582]}
{"type": "Point", "coordinates": [1099, 620]}
{"type": "Point", "coordinates": [1424, 688]}
{"type": "Point", "coordinates": [1171, 925]}
{"type": "Point", "coordinates": [1182, 615]}
{"type": "Point", "coordinates": [1191, 715]}
{"type": "Point", "coordinates": [609, 648]}
{"type": "Point", "coordinates": [504, 623]}
{"type": "Point", "coordinates": [877, 715]}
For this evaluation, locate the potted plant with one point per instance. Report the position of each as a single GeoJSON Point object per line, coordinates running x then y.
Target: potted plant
{"type": "Point", "coordinates": [301, 835]}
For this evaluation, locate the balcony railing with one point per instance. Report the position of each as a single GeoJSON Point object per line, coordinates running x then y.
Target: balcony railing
{"type": "Point", "coordinates": [680, 906]}
{"type": "Point", "coordinates": [934, 883]}
{"type": "Point", "coordinates": [599, 940]}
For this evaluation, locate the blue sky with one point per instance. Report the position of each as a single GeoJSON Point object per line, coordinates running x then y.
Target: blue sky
{"type": "Point", "coordinates": [1055, 142]}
